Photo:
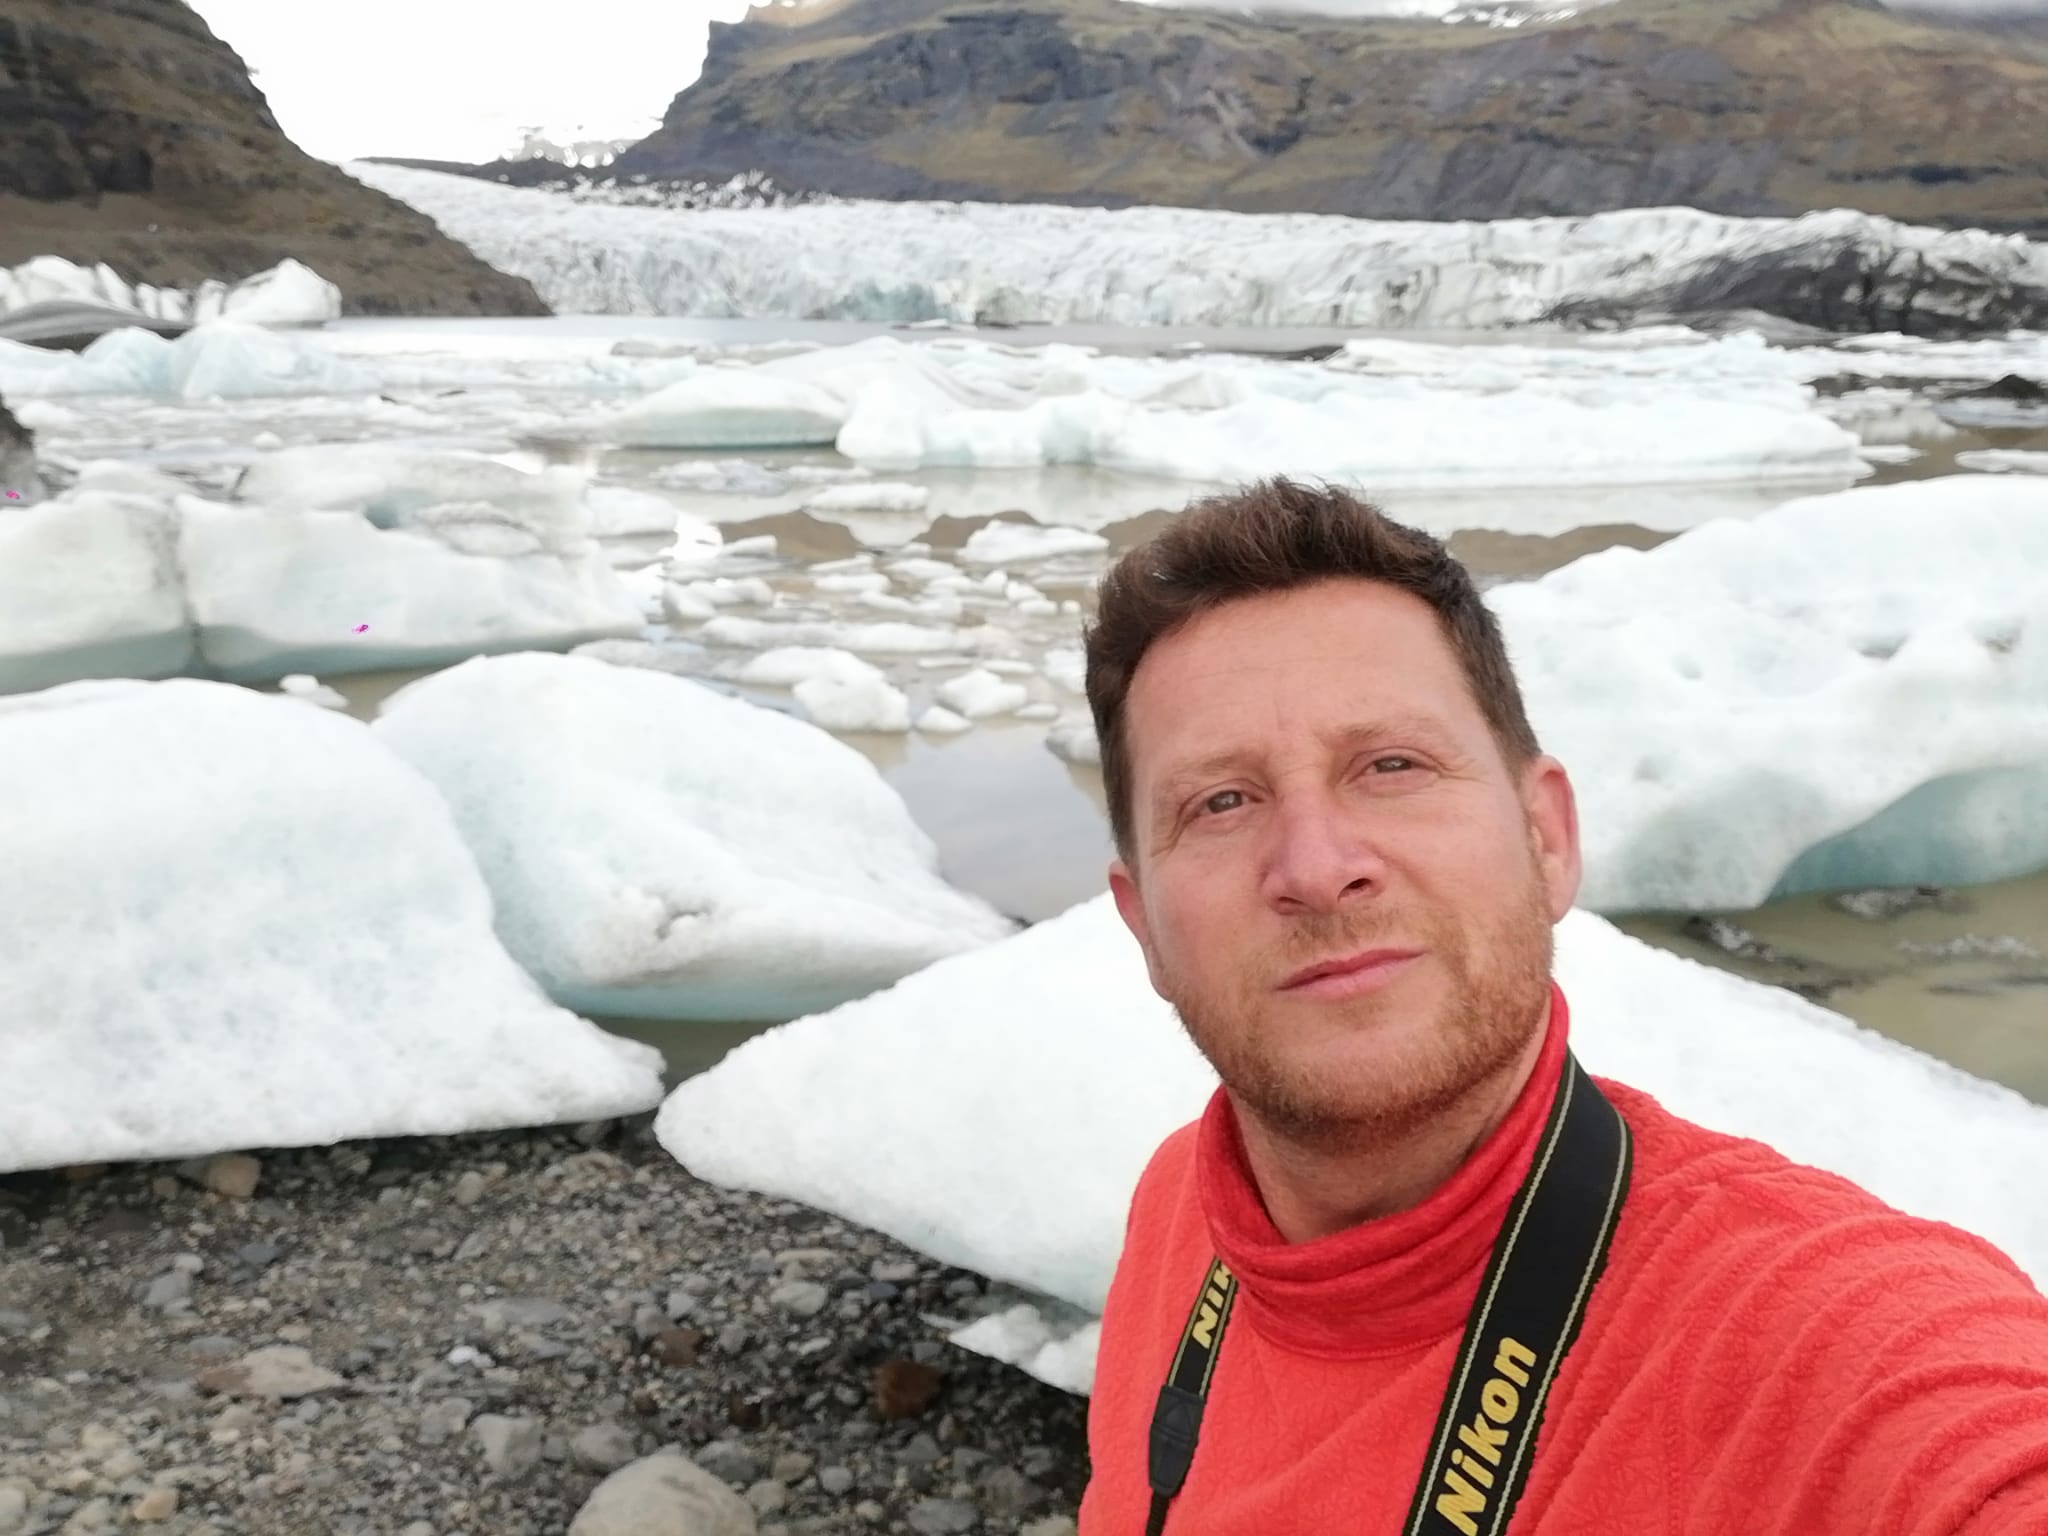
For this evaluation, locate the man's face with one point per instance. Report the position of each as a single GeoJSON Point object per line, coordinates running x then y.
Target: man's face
{"type": "Point", "coordinates": [1313, 781]}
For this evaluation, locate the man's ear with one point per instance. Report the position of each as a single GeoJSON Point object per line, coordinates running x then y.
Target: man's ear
{"type": "Point", "coordinates": [1553, 815]}
{"type": "Point", "coordinates": [1130, 906]}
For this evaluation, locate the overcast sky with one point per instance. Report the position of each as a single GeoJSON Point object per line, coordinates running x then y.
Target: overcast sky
{"type": "Point", "coordinates": [460, 79]}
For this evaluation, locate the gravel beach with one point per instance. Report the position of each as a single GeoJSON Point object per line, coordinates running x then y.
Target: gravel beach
{"type": "Point", "coordinates": [433, 1335]}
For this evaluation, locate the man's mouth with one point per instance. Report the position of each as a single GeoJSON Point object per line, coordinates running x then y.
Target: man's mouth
{"type": "Point", "coordinates": [1349, 975]}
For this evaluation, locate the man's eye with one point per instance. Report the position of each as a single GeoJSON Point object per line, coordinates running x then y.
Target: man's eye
{"type": "Point", "coordinates": [1212, 805]}
{"type": "Point", "coordinates": [1399, 763]}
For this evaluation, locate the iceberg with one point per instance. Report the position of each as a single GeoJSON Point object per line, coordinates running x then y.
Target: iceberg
{"type": "Point", "coordinates": [996, 1109]}
{"type": "Point", "coordinates": [1849, 690]}
{"type": "Point", "coordinates": [731, 408]}
{"type": "Point", "coordinates": [656, 849]}
{"type": "Point", "coordinates": [224, 359]}
{"type": "Point", "coordinates": [207, 943]}
{"type": "Point", "coordinates": [1018, 264]}
{"type": "Point", "coordinates": [128, 574]}
{"type": "Point", "coordinates": [290, 293]}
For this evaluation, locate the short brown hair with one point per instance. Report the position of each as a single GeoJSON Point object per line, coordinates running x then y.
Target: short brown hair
{"type": "Point", "coordinates": [1270, 537]}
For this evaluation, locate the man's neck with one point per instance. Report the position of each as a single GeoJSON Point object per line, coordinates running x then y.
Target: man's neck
{"type": "Point", "coordinates": [1310, 1195]}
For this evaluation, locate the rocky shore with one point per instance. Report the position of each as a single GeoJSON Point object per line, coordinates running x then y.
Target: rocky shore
{"type": "Point", "coordinates": [512, 1333]}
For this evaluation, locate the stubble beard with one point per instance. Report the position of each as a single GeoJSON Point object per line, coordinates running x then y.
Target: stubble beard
{"type": "Point", "coordinates": [1499, 989]}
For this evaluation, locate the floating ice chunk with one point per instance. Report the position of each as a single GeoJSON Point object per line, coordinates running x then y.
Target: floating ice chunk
{"type": "Point", "coordinates": [2000, 460]}
{"type": "Point", "coordinates": [445, 493]}
{"type": "Point", "coordinates": [660, 850]}
{"type": "Point", "coordinates": [885, 639]}
{"type": "Point", "coordinates": [308, 689]}
{"type": "Point", "coordinates": [1892, 453]}
{"type": "Point", "coordinates": [853, 581]}
{"type": "Point", "coordinates": [1038, 712]}
{"type": "Point", "coordinates": [235, 922]}
{"type": "Point", "coordinates": [731, 408]}
{"type": "Point", "coordinates": [290, 293]}
{"type": "Point", "coordinates": [980, 694]}
{"type": "Point", "coordinates": [90, 586]}
{"type": "Point", "coordinates": [1075, 743]}
{"type": "Point", "coordinates": [616, 510]}
{"type": "Point", "coordinates": [789, 665]}
{"type": "Point", "coordinates": [1821, 697]}
{"type": "Point", "coordinates": [869, 496]}
{"type": "Point", "coordinates": [276, 592]}
{"type": "Point", "coordinates": [937, 720]}
{"type": "Point", "coordinates": [1067, 667]}
{"type": "Point", "coordinates": [1022, 543]}
{"type": "Point", "coordinates": [996, 1109]}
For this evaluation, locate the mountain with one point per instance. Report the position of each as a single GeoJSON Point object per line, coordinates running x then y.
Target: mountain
{"type": "Point", "coordinates": [1733, 106]}
{"type": "Point", "coordinates": [130, 134]}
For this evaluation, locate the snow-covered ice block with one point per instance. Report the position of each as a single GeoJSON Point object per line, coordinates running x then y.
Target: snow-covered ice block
{"type": "Point", "coordinates": [660, 850]}
{"type": "Point", "coordinates": [1999, 460]}
{"type": "Point", "coordinates": [731, 408]}
{"type": "Point", "coordinates": [290, 293]}
{"type": "Point", "coordinates": [937, 720]}
{"type": "Point", "coordinates": [1848, 690]}
{"type": "Point", "coordinates": [235, 922]}
{"type": "Point", "coordinates": [440, 491]}
{"type": "Point", "coordinates": [996, 1109]}
{"type": "Point", "coordinates": [90, 587]}
{"type": "Point", "coordinates": [224, 358]}
{"type": "Point", "coordinates": [1006, 544]}
{"type": "Point", "coordinates": [869, 496]}
{"type": "Point", "coordinates": [981, 694]}
{"type": "Point", "coordinates": [838, 690]}
{"type": "Point", "coordinates": [276, 592]}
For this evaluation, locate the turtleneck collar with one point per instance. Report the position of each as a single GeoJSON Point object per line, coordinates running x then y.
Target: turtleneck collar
{"type": "Point", "coordinates": [1383, 1286]}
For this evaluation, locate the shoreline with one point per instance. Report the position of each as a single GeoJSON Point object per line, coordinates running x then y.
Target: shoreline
{"type": "Point", "coordinates": [496, 1321]}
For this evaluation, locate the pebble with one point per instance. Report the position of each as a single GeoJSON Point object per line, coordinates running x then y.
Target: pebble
{"type": "Point", "coordinates": [768, 1497]}
{"type": "Point", "coordinates": [234, 1174]}
{"type": "Point", "coordinates": [282, 1371]}
{"type": "Point", "coordinates": [469, 1188]}
{"type": "Point", "coordinates": [728, 1459]}
{"type": "Point", "coordinates": [157, 1504]}
{"type": "Point", "coordinates": [835, 1480]}
{"type": "Point", "coordinates": [791, 1467]}
{"type": "Point", "coordinates": [511, 1446]}
{"type": "Point", "coordinates": [805, 1298]}
{"type": "Point", "coordinates": [663, 1495]}
{"type": "Point", "coordinates": [604, 1447]}
{"type": "Point", "coordinates": [942, 1517]}
{"type": "Point", "coordinates": [13, 1508]}
{"type": "Point", "coordinates": [443, 1421]}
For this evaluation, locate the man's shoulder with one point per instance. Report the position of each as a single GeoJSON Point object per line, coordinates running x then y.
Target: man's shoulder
{"type": "Point", "coordinates": [1730, 1216]}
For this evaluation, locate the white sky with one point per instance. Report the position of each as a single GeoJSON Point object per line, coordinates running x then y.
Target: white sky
{"type": "Point", "coordinates": [458, 79]}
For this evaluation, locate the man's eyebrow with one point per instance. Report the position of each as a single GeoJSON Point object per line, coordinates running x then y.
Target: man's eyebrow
{"type": "Point", "coordinates": [1181, 780]}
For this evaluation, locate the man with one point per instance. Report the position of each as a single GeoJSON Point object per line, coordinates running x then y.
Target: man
{"type": "Point", "coordinates": [1342, 853]}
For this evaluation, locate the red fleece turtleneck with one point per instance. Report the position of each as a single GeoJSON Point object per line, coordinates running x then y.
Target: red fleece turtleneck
{"type": "Point", "coordinates": [1771, 1351]}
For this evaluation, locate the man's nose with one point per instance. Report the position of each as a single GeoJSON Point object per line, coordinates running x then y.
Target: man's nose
{"type": "Point", "coordinates": [1321, 856]}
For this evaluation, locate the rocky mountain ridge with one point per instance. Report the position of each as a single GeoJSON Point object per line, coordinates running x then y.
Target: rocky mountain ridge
{"type": "Point", "coordinates": [1748, 107]}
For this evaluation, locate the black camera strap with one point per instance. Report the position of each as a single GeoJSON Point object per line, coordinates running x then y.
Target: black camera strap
{"type": "Point", "coordinates": [1552, 1246]}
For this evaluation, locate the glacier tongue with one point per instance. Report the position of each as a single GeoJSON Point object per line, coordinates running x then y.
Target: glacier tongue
{"type": "Point", "coordinates": [1023, 264]}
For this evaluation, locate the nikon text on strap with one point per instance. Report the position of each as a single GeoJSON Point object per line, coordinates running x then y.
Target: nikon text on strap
{"type": "Point", "coordinates": [1552, 1246]}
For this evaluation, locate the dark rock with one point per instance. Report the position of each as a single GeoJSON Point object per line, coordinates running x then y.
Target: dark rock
{"type": "Point", "coordinates": [905, 1388]}
{"type": "Point", "coordinates": [676, 1346]}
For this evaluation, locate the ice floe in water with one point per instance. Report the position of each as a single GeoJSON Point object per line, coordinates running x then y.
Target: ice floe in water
{"type": "Point", "coordinates": [289, 293]}
{"type": "Point", "coordinates": [656, 849]}
{"type": "Point", "coordinates": [225, 359]}
{"type": "Point", "coordinates": [1849, 690]}
{"type": "Point", "coordinates": [128, 574]}
{"type": "Point", "coordinates": [207, 943]}
{"type": "Point", "coordinates": [1689, 410]}
{"type": "Point", "coordinates": [996, 1109]}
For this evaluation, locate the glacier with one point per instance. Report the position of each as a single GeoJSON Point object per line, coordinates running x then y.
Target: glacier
{"type": "Point", "coordinates": [1010, 264]}
{"type": "Point", "coordinates": [207, 945]}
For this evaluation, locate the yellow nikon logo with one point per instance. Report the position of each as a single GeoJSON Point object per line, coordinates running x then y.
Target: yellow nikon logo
{"type": "Point", "coordinates": [1211, 1310]}
{"type": "Point", "coordinates": [1483, 1438]}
